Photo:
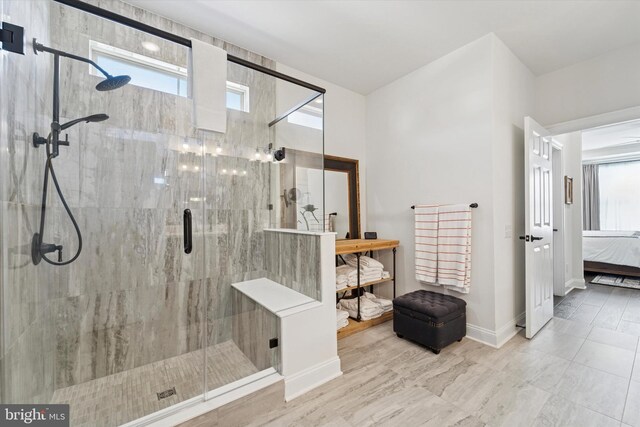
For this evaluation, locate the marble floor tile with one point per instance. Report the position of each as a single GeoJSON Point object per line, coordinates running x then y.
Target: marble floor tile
{"type": "Point", "coordinates": [569, 327]}
{"type": "Point", "coordinates": [392, 382]}
{"type": "Point", "coordinates": [635, 375]}
{"type": "Point", "coordinates": [597, 297]}
{"type": "Point", "coordinates": [614, 338]}
{"type": "Point", "coordinates": [411, 406]}
{"type": "Point", "coordinates": [631, 328]}
{"type": "Point", "coordinates": [562, 412]}
{"type": "Point", "coordinates": [599, 391]}
{"type": "Point", "coordinates": [556, 344]}
{"type": "Point", "coordinates": [512, 403]}
{"type": "Point", "coordinates": [585, 313]}
{"type": "Point", "coordinates": [540, 369]}
{"type": "Point", "coordinates": [564, 311]}
{"type": "Point", "coordinates": [632, 408]}
{"type": "Point", "coordinates": [574, 298]}
{"type": "Point", "coordinates": [609, 316]}
{"type": "Point", "coordinates": [607, 358]}
{"type": "Point", "coordinates": [632, 311]}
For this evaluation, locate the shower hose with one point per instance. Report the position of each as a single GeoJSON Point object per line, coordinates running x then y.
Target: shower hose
{"type": "Point", "coordinates": [49, 169]}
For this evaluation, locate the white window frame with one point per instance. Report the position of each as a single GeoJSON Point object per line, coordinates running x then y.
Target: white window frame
{"type": "Point", "coordinates": [243, 91]}
{"type": "Point", "coordinates": [176, 70]}
{"type": "Point", "coordinates": [309, 111]}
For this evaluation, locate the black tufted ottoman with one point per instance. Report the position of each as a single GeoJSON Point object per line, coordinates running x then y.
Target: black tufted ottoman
{"type": "Point", "coordinates": [429, 318]}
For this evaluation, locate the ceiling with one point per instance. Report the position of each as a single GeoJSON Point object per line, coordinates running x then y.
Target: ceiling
{"type": "Point", "coordinates": [621, 134]}
{"type": "Point", "coordinates": [364, 45]}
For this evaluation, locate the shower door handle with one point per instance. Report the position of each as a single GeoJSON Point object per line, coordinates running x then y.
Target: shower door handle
{"type": "Point", "coordinates": [187, 232]}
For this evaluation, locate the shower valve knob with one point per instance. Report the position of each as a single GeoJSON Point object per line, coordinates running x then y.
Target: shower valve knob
{"type": "Point", "coordinates": [38, 140]}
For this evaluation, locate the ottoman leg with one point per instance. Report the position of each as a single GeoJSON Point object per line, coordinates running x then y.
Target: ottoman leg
{"type": "Point", "coordinates": [400, 335]}
{"type": "Point", "coordinates": [435, 350]}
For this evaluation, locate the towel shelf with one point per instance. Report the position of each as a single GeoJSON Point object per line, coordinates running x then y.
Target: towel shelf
{"type": "Point", "coordinates": [375, 282]}
{"type": "Point", "coordinates": [360, 247]}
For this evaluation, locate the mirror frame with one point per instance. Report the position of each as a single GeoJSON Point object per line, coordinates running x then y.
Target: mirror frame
{"type": "Point", "coordinates": [351, 167]}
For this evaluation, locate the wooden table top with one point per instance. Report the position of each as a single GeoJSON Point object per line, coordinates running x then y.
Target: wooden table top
{"type": "Point", "coordinates": [352, 246]}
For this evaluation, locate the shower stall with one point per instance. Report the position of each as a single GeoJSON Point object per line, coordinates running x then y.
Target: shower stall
{"type": "Point", "coordinates": [138, 324]}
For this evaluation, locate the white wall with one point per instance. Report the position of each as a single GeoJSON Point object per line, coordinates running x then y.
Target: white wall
{"type": "Point", "coordinates": [609, 82]}
{"type": "Point", "coordinates": [513, 88]}
{"type": "Point", "coordinates": [451, 132]}
{"type": "Point", "coordinates": [572, 167]}
{"type": "Point", "coordinates": [429, 141]}
{"type": "Point", "coordinates": [344, 123]}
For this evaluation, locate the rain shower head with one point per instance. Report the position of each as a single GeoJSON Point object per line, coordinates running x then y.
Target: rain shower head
{"type": "Point", "coordinates": [112, 82]}
{"type": "Point", "coordinates": [89, 119]}
{"type": "Point", "coordinates": [109, 83]}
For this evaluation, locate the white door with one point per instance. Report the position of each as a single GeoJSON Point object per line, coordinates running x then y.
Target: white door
{"type": "Point", "coordinates": [538, 187]}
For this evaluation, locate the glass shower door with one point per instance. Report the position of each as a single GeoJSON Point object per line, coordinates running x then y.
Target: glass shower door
{"type": "Point", "coordinates": [117, 333]}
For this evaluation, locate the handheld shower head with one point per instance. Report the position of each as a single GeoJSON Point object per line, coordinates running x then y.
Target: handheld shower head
{"type": "Point", "coordinates": [88, 119]}
{"type": "Point", "coordinates": [112, 82]}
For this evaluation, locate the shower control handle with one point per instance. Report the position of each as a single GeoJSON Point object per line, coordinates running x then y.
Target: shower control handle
{"type": "Point", "coordinates": [187, 232]}
{"type": "Point", "coordinates": [66, 140]}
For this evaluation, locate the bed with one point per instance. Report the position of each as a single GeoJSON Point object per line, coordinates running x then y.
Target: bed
{"type": "Point", "coordinates": [612, 252]}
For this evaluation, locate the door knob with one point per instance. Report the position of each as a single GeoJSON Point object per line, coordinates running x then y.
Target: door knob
{"type": "Point", "coordinates": [534, 238]}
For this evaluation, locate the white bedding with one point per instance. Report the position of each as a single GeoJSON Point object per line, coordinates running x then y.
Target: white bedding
{"type": "Point", "coordinates": [612, 247]}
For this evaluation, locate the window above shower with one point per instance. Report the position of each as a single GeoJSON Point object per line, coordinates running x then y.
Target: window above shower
{"type": "Point", "coordinates": [158, 75]}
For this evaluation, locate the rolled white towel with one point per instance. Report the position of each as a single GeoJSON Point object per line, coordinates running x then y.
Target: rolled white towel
{"type": "Point", "coordinates": [386, 275]}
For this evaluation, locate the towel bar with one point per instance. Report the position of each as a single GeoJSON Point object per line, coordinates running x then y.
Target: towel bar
{"type": "Point", "coordinates": [472, 205]}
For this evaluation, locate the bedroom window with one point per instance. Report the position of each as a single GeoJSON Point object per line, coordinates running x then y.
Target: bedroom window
{"type": "Point", "coordinates": [620, 196]}
{"type": "Point", "coordinates": [157, 75]}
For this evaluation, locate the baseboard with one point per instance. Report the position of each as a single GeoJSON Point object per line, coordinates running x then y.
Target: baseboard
{"type": "Point", "coordinates": [498, 338]}
{"type": "Point", "coordinates": [483, 335]}
{"type": "Point", "coordinates": [574, 284]}
{"type": "Point", "coordinates": [298, 384]}
{"type": "Point", "coordinates": [509, 330]}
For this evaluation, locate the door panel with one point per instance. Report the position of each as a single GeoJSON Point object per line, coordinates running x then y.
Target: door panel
{"type": "Point", "coordinates": [538, 226]}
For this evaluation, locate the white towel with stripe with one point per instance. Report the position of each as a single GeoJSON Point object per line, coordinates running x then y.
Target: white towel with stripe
{"type": "Point", "coordinates": [454, 247]}
{"type": "Point", "coordinates": [443, 246]}
{"type": "Point", "coordinates": [426, 217]}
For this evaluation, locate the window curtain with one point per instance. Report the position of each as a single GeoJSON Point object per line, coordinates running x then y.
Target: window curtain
{"type": "Point", "coordinates": [590, 197]}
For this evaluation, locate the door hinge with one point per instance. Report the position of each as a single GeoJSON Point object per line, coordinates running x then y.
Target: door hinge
{"type": "Point", "coordinates": [12, 38]}
{"type": "Point", "coordinates": [273, 342]}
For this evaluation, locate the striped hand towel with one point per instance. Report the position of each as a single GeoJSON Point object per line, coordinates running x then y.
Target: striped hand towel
{"type": "Point", "coordinates": [426, 218]}
{"type": "Point", "coordinates": [454, 247]}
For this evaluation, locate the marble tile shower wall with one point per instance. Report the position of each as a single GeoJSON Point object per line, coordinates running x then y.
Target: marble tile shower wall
{"type": "Point", "coordinates": [133, 297]}
{"type": "Point", "coordinates": [26, 335]}
{"type": "Point", "coordinates": [294, 261]}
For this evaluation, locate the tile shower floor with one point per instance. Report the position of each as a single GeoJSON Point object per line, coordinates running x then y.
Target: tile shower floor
{"type": "Point", "coordinates": [128, 395]}
{"type": "Point", "coordinates": [582, 371]}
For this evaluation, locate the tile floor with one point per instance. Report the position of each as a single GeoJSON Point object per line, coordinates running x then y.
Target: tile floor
{"type": "Point", "coordinates": [583, 369]}
{"type": "Point", "coordinates": [125, 396]}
